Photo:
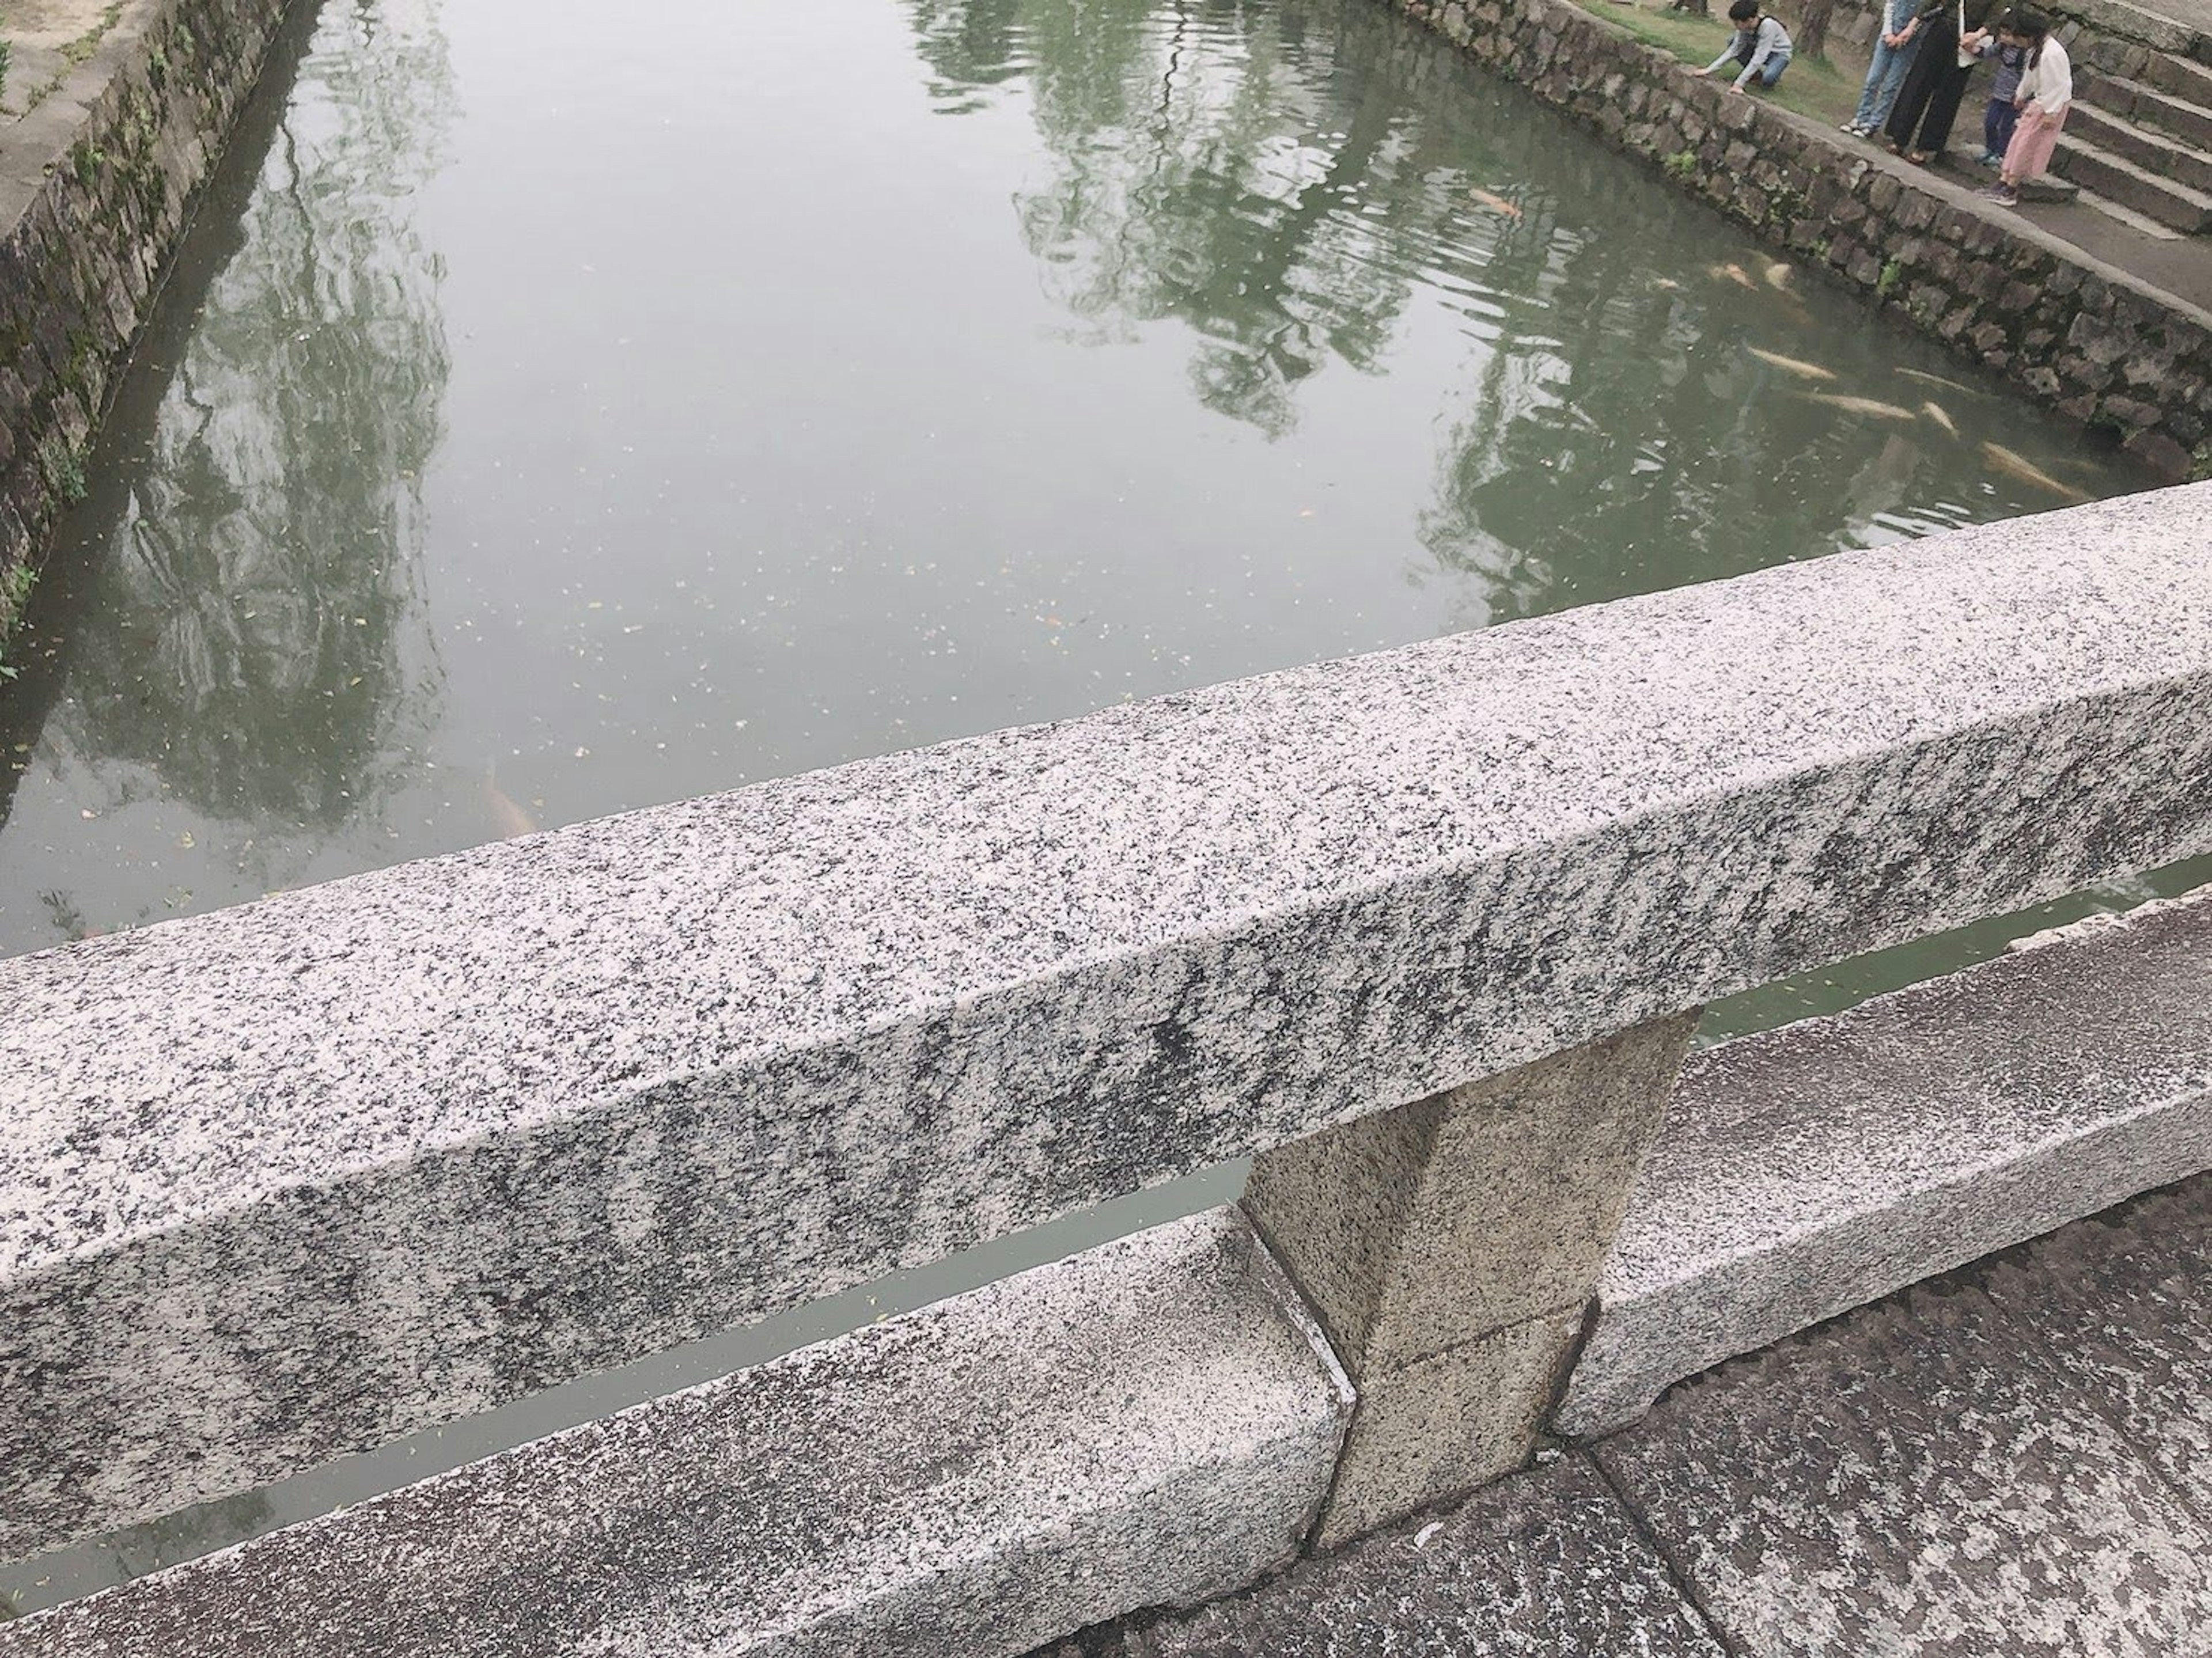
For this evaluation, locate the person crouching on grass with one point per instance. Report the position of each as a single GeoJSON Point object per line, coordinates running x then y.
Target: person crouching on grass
{"type": "Point", "coordinates": [2046, 92]}
{"type": "Point", "coordinates": [1760, 44]}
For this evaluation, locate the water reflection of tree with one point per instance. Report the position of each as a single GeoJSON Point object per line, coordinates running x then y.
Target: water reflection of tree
{"type": "Point", "coordinates": [256, 636]}
{"type": "Point", "coordinates": [1262, 174]}
{"type": "Point", "coordinates": [1603, 412]}
{"type": "Point", "coordinates": [1285, 179]}
{"type": "Point", "coordinates": [972, 46]}
{"type": "Point", "coordinates": [1202, 175]}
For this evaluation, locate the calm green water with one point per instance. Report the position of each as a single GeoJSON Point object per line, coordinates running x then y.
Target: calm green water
{"type": "Point", "coordinates": [550, 418]}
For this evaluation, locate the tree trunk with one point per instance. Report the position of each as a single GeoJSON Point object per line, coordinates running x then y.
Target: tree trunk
{"type": "Point", "coordinates": [1812, 35]}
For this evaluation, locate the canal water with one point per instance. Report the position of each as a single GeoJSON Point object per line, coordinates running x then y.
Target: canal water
{"type": "Point", "coordinates": [552, 417]}
{"type": "Point", "coordinates": [556, 411]}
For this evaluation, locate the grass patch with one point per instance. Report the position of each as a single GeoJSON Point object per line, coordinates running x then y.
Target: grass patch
{"type": "Point", "coordinates": [68, 478]}
{"type": "Point", "coordinates": [15, 585]}
{"type": "Point", "coordinates": [1810, 86]}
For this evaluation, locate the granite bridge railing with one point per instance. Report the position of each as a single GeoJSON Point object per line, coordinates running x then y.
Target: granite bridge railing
{"type": "Point", "coordinates": [1424, 932]}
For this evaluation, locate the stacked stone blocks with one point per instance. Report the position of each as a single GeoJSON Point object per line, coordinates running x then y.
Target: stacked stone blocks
{"type": "Point", "coordinates": [93, 224]}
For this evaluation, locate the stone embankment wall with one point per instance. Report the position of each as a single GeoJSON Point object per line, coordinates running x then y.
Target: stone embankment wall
{"type": "Point", "coordinates": [2090, 341]}
{"type": "Point", "coordinates": [96, 182]}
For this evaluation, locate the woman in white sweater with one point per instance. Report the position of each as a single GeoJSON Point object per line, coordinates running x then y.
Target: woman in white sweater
{"type": "Point", "coordinates": [2046, 90]}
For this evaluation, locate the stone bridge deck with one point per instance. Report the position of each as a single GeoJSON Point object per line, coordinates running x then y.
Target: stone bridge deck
{"type": "Point", "coordinates": [2014, 1459]}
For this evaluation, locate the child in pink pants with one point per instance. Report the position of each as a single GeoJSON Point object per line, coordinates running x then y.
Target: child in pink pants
{"type": "Point", "coordinates": [2046, 91]}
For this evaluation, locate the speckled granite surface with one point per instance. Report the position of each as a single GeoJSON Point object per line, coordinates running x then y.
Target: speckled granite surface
{"type": "Point", "coordinates": [1927, 1480]}
{"type": "Point", "coordinates": [1810, 1170]}
{"type": "Point", "coordinates": [1450, 1249]}
{"type": "Point", "coordinates": [1412, 1231]}
{"type": "Point", "coordinates": [1152, 1420]}
{"type": "Point", "coordinates": [2123, 1303]}
{"type": "Point", "coordinates": [1544, 1566]}
{"type": "Point", "coordinates": [293, 1179]}
{"type": "Point", "coordinates": [2006, 1463]}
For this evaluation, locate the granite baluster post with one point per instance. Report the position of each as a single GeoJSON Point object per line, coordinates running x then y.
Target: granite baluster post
{"type": "Point", "coordinates": [1450, 1249]}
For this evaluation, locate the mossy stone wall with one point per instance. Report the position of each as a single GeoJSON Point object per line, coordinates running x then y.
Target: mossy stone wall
{"type": "Point", "coordinates": [99, 187]}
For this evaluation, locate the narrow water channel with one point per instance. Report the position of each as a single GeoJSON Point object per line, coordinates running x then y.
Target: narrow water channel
{"type": "Point", "coordinates": [556, 417]}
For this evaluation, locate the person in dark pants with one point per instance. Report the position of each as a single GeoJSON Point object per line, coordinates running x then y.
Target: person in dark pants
{"type": "Point", "coordinates": [2000, 44]}
{"type": "Point", "coordinates": [1920, 123]}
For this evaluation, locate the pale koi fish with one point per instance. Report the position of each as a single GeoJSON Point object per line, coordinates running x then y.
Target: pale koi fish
{"type": "Point", "coordinates": [511, 818]}
{"type": "Point", "coordinates": [1867, 406]}
{"type": "Point", "coordinates": [2028, 471]}
{"type": "Point", "coordinates": [1807, 371]}
{"type": "Point", "coordinates": [1496, 202]}
{"type": "Point", "coordinates": [1935, 411]}
{"type": "Point", "coordinates": [1926, 379]}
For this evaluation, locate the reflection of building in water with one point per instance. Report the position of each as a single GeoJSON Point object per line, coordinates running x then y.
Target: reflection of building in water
{"type": "Point", "coordinates": [256, 635]}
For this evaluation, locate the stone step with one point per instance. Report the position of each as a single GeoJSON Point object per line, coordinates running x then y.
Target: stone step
{"type": "Point", "coordinates": [1814, 1169]}
{"type": "Point", "coordinates": [2180, 78]}
{"type": "Point", "coordinates": [2113, 210]}
{"type": "Point", "coordinates": [2187, 210]}
{"type": "Point", "coordinates": [2109, 54]}
{"type": "Point", "coordinates": [2108, 19]}
{"type": "Point", "coordinates": [2147, 106]}
{"type": "Point", "coordinates": [2154, 152]}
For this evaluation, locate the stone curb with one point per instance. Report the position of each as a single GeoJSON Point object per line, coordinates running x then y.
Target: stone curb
{"type": "Point", "coordinates": [1814, 1168]}
{"type": "Point", "coordinates": [1153, 1422]}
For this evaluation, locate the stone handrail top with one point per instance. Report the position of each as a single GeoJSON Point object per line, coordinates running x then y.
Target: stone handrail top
{"type": "Point", "coordinates": [1121, 877]}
